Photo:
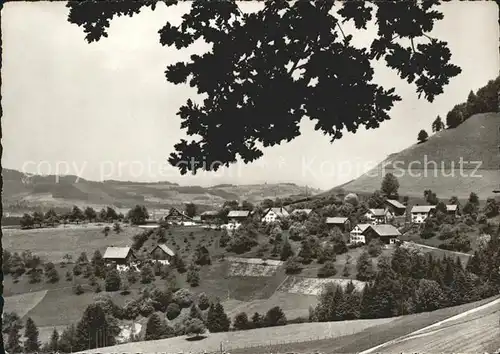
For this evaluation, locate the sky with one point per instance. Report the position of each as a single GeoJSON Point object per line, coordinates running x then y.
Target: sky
{"type": "Point", "coordinates": [105, 110]}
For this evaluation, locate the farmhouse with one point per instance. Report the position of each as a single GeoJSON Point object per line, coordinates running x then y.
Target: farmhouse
{"type": "Point", "coordinates": [387, 234]}
{"type": "Point", "coordinates": [395, 207]}
{"type": "Point", "coordinates": [342, 223]}
{"type": "Point", "coordinates": [419, 213]}
{"type": "Point", "coordinates": [356, 234]}
{"type": "Point", "coordinates": [237, 216]}
{"type": "Point", "coordinates": [209, 216]}
{"type": "Point", "coordinates": [273, 214]}
{"type": "Point", "coordinates": [452, 209]}
{"type": "Point", "coordinates": [119, 255]}
{"type": "Point", "coordinates": [379, 216]}
{"type": "Point", "coordinates": [162, 253]}
{"type": "Point", "coordinates": [177, 216]}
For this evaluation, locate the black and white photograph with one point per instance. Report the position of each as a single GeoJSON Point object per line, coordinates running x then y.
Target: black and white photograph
{"type": "Point", "coordinates": [250, 177]}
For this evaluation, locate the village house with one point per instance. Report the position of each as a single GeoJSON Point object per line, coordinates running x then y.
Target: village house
{"type": "Point", "coordinates": [379, 216]}
{"type": "Point", "coordinates": [119, 255]}
{"type": "Point", "coordinates": [340, 222]}
{"type": "Point", "coordinates": [162, 254]}
{"type": "Point", "coordinates": [238, 216]}
{"type": "Point", "coordinates": [395, 207]}
{"type": "Point", "coordinates": [273, 214]}
{"type": "Point", "coordinates": [420, 213]}
{"type": "Point", "coordinates": [210, 216]}
{"type": "Point", "coordinates": [176, 216]}
{"type": "Point", "coordinates": [452, 209]}
{"type": "Point", "coordinates": [356, 234]}
{"type": "Point", "coordinates": [387, 234]}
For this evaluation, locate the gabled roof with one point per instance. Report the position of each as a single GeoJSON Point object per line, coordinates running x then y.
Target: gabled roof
{"type": "Point", "coordinates": [280, 212]}
{"type": "Point", "coordinates": [377, 212]}
{"type": "Point", "coordinates": [175, 210]}
{"type": "Point", "coordinates": [422, 208]}
{"type": "Point", "coordinates": [238, 213]}
{"type": "Point", "coordinates": [336, 220]}
{"type": "Point", "coordinates": [210, 213]}
{"type": "Point", "coordinates": [384, 230]}
{"type": "Point", "coordinates": [306, 211]}
{"type": "Point", "coordinates": [165, 249]}
{"type": "Point", "coordinates": [117, 252]}
{"type": "Point", "coordinates": [452, 207]}
{"type": "Point", "coordinates": [395, 204]}
{"type": "Point", "coordinates": [362, 227]}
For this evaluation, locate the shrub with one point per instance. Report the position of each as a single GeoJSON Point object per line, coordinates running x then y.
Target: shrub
{"type": "Point", "coordinates": [113, 281]}
{"type": "Point", "coordinates": [375, 248]}
{"type": "Point", "coordinates": [183, 298]}
{"type": "Point", "coordinates": [241, 321]}
{"type": "Point", "coordinates": [77, 289]}
{"type": "Point", "coordinates": [327, 270]}
{"type": "Point", "coordinates": [173, 310]}
{"type": "Point", "coordinates": [275, 317]}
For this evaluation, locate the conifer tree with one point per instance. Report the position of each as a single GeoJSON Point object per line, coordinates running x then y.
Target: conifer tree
{"type": "Point", "coordinates": [154, 328]}
{"type": "Point", "coordinates": [31, 344]}
{"type": "Point", "coordinates": [113, 281]}
{"type": "Point", "coordinates": [365, 267]}
{"type": "Point", "coordinates": [217, 320]}
{"type": "Point", "coordinates": [257, 320]}
{"type": "Point", "coordinates": [95, 329]}
{"type": "Point", "coordinates": [13, 344]}
{"type": "Point", "coordinates": [54, 341]}
{"type": "Point", "coordinates": [286, 251]}
{"type": "Point", "coordinates": [195, 312]}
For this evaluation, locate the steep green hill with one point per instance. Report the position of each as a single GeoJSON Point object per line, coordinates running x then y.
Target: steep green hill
{"type": "Point", "coordinates": [436, 163]}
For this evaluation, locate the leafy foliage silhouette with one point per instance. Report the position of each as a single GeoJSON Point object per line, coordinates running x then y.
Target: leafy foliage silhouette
{"type": "Point", "coordinates": [268, 69]}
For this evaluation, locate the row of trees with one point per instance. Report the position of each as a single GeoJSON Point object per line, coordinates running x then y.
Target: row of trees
{"type": "Point", "coordinates": [76, 215]}
{"type": "Point", "coordinates": [410, 282]}
{"type": "Point", "coordinates": [484, 101]}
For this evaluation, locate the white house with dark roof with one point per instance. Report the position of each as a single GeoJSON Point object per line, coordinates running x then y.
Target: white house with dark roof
{"type": "Point", "coordinates": [341, 222]}
{"type": "Point", "coordinates": [118, 255]}
{"type": "Point", "coordinates": [356, 234]}
{"type": "Point", "coordinates": [273, 214]}
{"type": "Point", "coordinates": [420, 213]}
{"type": "Point", "coordinates": [379, 216]}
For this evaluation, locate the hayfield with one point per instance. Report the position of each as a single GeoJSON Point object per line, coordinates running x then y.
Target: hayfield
{"type": "Point", "coordinates": [250, 338]}
{"type": "Point", "coordinates": [51, 244]}
{"type": "Point", "coordinates": [294, 305]}
{"type": "Point", "coordinates": [23, 303]}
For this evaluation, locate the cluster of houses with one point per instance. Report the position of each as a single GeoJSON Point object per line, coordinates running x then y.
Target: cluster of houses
{"type": "Point", "coordinates": [125, 256]}
{"type": "Point", "coordinates": [379, 224]}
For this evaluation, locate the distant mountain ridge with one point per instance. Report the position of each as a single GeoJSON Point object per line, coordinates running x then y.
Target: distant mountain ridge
{"type": "Point", "coordinates": [435, 164]}
{"type": "Point", "coordinates": [23, 191]}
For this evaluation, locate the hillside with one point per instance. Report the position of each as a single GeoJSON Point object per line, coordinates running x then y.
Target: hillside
{"type": "Point", "coordinates": [22, 193]}
{"type": "Point", "coordinates": [475, 141]}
